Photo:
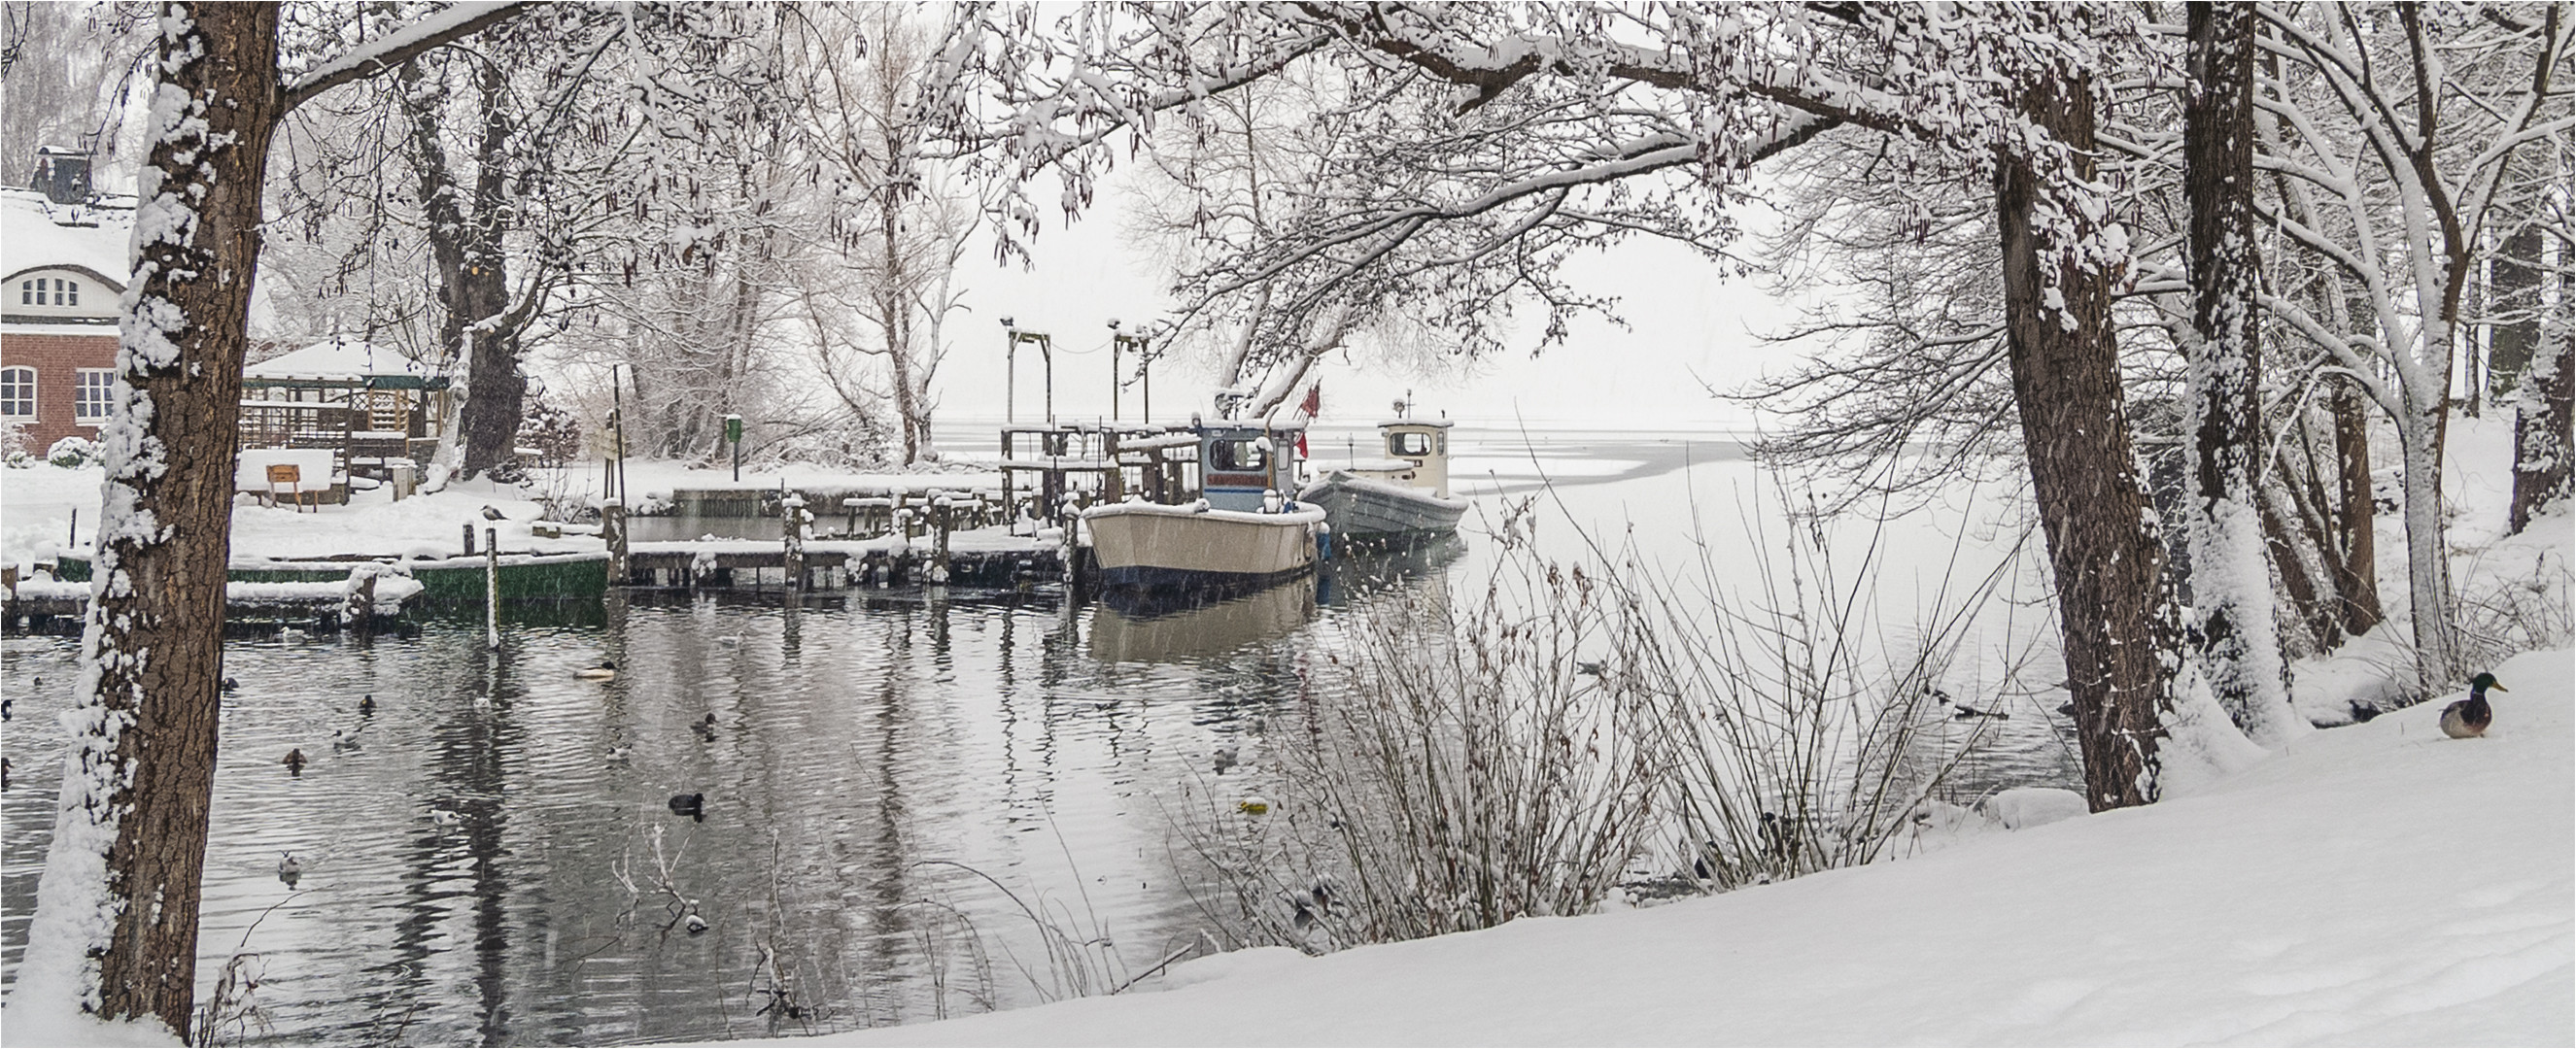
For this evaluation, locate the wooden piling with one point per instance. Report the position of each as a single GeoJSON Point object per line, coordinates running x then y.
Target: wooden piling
{"type": "Point", "coordinates": [942, 513]}
{"type": "Point", "coordinates": [359, 611]}
{"type": "Point", "coordinates": [791, 510]}
{"type": "Point", "coordinates": [491, 585]}
{"type": "Point", "coordinates": [612, 527]}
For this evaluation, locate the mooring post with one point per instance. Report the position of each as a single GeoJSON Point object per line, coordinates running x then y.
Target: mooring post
{"type": "Point", "coordinates": [612, 527]}
{"type": "Point", "coordinates": [469, 538]}
{"type": "Point", "coordinates": [1072, 560]}
{"type": "Point", "coordinates": [359, 613]}
{"type": "Point", "coordinates": [491, 585]}
{"type": "Point", "coordinates": [792, 510]}
{"type": "Point", "coordinates": [943, 512]}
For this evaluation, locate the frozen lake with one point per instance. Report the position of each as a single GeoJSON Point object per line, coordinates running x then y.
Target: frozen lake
{"type": "Point", "coordinates": [892, 781]}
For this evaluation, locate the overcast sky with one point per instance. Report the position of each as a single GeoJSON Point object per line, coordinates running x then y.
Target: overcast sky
{"type": "Point", "coordinates": [1691, 326]}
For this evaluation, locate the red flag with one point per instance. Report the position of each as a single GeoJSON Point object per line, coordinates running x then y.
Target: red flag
{"type": "Point", "coordinates": [1314, 400]}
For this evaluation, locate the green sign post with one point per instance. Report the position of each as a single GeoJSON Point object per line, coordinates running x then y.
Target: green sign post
{"type": "Point", "coordinates": [733, 432]}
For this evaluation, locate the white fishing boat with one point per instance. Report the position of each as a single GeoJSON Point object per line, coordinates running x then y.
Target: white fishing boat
{"type": "Point", "coordinates": [1401, 498]}
{"type": "Point", "coordinates": [1240, 533]}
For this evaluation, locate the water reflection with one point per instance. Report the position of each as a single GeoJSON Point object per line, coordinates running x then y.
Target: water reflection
{"type": "Point", "coordinates": [894, 780]}
{"type": "Point", "coordinates": [1124, 632]}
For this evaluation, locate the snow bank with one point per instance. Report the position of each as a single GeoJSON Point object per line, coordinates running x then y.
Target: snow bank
{"type": "Point", "coordinates": [2373, 884]}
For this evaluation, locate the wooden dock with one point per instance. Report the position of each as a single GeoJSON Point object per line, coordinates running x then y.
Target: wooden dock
{"type": "Point", "coordinates": [361, 600]}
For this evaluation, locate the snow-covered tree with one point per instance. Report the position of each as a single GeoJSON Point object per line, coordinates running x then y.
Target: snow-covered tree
{"type": "Point", "coordinates": [2394, 128]}
{"type": "Point", "coordinates": [114, 932]}
{"type": "Point", "coordinates": [1499, 140]}
{"type": "Point", "coordinates": [2233, 617]}
{"type": "Point", "coordinates": [880, 289]}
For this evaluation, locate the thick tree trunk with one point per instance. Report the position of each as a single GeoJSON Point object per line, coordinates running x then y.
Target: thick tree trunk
{"type": "Point", "coordinates": [2544, 443]}
{"type": "Point", "coordinates": [2233, 613]}
{"type": "Point", "coordinates": [479, 297]}
{"type": "Point", "coordinates": [2114, 613]}
{"type": "Point", "coordinates": [116, 929]}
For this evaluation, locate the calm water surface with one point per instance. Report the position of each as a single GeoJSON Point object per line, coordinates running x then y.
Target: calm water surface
{"type": "Point", "coordinates": [894, 783]}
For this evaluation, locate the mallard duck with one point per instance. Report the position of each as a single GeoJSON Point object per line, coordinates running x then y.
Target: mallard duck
{"type": "Point", "coordinates": [2471, 716]}
{"type": "Point", "coordinates": [294, 762]}
{"type": "Point", "coordinates": [605, 670]}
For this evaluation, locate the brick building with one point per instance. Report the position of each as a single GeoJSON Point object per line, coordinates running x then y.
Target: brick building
{"type": "Point", "coordinates": [62, 270]}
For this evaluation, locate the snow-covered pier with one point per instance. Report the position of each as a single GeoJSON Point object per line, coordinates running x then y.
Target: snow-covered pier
{"type": "Point", "coordinates": [981, 557]}
{"type": "Point", "coordinates": [366, 600]}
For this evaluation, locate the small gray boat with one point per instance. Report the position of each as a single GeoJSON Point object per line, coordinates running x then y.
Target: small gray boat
{"type": "Point", "coordinates": [1399, 499]}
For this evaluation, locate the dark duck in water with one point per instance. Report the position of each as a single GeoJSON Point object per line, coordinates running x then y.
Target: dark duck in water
{"type": "Point", "coordinates": [2471, 716]}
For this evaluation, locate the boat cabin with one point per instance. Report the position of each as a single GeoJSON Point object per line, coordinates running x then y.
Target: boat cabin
{"type": "Point", "coordinates": [1417, 456]}
{"type": "Point", "coordinates": [1243, 460]}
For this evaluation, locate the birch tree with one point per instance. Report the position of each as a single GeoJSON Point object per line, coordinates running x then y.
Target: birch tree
{"type": "Point", "coordinates": [2393, 128]}
{"type": "Point", "coordinates": [114, 932]}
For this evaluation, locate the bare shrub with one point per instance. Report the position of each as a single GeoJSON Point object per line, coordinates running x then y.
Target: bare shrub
{"type": "Point", "coordinates": [1471, 760]}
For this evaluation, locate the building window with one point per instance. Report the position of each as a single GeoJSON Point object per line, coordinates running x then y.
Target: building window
{"type": "Point", "coordinates": [48, 291]}
{"type": "Point", "coordinates": [96, 395]}
{"type": "Point", "coordinates": [17, 393]}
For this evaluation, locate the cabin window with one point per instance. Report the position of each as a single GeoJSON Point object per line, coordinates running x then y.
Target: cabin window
{"type": "Point", "coordinates": [1239, 457]}
{"type": "Point", "coordinates": [95, 395]}
{"type": "Point", "coordinates": [1410, 445]}
{"type": "Point", "coordinates": [17, 393]}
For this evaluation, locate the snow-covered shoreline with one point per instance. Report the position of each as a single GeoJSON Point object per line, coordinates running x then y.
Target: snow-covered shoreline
{"type": "Point", "coordinates": [2377, 884]}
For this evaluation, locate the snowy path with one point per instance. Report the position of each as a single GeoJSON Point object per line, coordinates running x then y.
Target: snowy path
{"type": "Point", "coordinates": [2378, 884]}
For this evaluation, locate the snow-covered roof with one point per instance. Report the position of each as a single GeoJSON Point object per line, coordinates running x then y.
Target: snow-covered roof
{"type": "Point", "coordinates": [342, 359]}
{"type": "Point", "coordinates": [36, 233]}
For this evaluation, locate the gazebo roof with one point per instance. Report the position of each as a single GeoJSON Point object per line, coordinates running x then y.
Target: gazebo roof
{"type": "Point", "coordinates": [346, 362]}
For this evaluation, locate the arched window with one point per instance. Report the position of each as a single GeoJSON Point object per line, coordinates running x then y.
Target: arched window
{"type": "Point", "coordinates": [17, 393]}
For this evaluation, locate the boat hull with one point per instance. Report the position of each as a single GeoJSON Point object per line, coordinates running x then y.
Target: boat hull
{"type": "Point", "coordinates": [1363, 510]}
{"type": "Point", "coordinates": [1149, 547]}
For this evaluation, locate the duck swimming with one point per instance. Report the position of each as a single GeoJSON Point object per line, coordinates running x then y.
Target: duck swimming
{"type": "Point", "coordinates": [294, 762]}
{"type": "Point", "coordinates": [2470, 717]}
{"type": "Point", "coordinates": [693, 806]}
{"type": "Point", "coordinates": [602, 672]}
{"type": "Point", "coordinates": [288, 870]}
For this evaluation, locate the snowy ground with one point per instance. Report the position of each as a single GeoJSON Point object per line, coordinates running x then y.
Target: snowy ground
{"type": "Point", "coordinates": [2377, 884]}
